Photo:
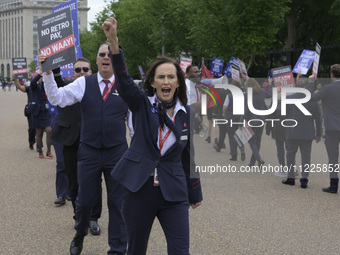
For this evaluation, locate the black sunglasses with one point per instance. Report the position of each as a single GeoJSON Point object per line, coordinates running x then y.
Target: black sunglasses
{"type": "Point", "coordinates": [78, 69]}
{"type": "Point", "coordinates": [103, 54]}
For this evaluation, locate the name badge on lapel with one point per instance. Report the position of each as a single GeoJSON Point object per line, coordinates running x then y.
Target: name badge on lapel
{"type": "Point", "coordinates": [184, 137]}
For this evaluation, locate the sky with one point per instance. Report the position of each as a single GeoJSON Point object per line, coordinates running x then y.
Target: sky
{"type": "Point", "coordinates": [96, 7]}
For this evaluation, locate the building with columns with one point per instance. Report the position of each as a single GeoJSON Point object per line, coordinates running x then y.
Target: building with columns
{"type": "Point", "coordinates": [19, 30]}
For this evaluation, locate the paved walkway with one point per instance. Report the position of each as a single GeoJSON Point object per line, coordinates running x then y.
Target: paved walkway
{"type": "Point", "coordinates": [242, 213]}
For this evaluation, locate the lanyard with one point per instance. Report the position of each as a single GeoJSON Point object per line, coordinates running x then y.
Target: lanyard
{"type": "Point", "coordinates": [108, 91]}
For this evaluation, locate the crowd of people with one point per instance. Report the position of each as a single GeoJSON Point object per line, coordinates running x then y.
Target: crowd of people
{"type": "Point", "coordinates": [154, 175]}
{"type": "Point", "coordinates": [299, 131]}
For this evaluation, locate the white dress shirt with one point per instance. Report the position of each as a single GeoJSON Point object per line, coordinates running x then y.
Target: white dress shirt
{"type": "Point", "coordinates": [70, 94]}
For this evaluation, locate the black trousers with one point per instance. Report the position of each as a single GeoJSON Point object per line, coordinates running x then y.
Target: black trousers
{"type": "Point", "coordinates": [93, 163]}
{"type": "Point", "coordinates": [70, 161]}
{"type": "Point", "coordinates": [139, 211]}
{"type": "Point", "coordinates": [31, 131]}
{"type": "Point", "coordinates": [332, 142]}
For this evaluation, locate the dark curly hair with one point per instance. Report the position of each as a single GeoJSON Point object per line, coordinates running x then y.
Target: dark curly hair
{"type": "Point", "coordinates": [150, 75]}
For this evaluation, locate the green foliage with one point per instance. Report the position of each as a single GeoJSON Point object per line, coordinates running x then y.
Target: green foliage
{"type": "Point", "coordinates": [213, 28]}
{"type": "Point", "coordinates": [32, 67]}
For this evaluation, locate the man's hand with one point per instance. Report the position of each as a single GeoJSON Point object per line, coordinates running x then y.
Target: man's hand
{"type": "Point", "coordinates": [41, 59]}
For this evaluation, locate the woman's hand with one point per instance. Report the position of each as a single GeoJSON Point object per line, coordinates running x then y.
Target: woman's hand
{"type": "Point", "coordinates": [110, 29]}
{"type": "Point", "coordinates": [193, 206]}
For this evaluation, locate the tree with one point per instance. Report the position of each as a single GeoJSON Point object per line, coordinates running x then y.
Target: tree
{"type": "Point", "coordinates": [215, 28]}
{"type": "Point", "coordinates": [32, 67]}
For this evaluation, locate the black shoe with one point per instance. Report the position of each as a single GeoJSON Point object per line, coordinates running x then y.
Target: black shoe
{"type": "Point", "coordinates": [261, 163]}
{"type": "Point", "coordinates": [243, 156]}
{"type": "Point", "coordinates": [76, 245]}
{"type": "Point", "coordinates": [60, 201]}
{"type": "Point", "coordinates": [68, 198]}
{"type": "Point", "coordinates": [289, 181]}
{"type": "Point", "coordinates": [216, 147]}
{"type": "Point", "coordinates": [31, 147]}
{"type": "Point", "coordinates": [330, 190]}
{"type": "Point", "coordinates": [303, 183]}
{"type": "Point", "coordinates": [208, 139]}
{"type": "Point", "coordinates": [233, 158]}
{"type": "Point", "coordinates": [94, 228]}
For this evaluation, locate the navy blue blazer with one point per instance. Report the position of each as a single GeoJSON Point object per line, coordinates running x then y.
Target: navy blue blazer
{"type": "Point", "coordinates": [39, 99]}
{"type": "Point", "coordinates": [67, 128]}
{"type": "Point", "coordinates": [176, 167]}
{"type": "Point", "coordinates": [329, 96]}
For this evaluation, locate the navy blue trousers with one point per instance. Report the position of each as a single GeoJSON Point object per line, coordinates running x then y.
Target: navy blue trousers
{"type": "Point", "coordinates": [92, 163]}
{"type": "Point", "coordinates": [332, 141]}
{"type": "Point", "coordinates": [61, 181]}
{"type": "Point", "coordinates": [281, 152]}
{"type": "Point", "coordinates": [70, 154]}
{"type": "Point", "coordinates": [255, 144]}
{"type": "Point", "coordinates": [31, 131]}
{"type": "Point", "coordinates": [139, 211]}
{"type": "Point", "coordinates": [232, 142]}
{"type": "Point", "coordinates": [292, 146]}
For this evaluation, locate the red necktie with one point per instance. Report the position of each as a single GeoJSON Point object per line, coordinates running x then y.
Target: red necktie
{"type": "Point", "coordinates": [106, 88]}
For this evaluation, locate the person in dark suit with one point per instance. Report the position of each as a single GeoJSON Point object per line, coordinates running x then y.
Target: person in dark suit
{"type": "Point", "coordinates": [258, 101]}
{"type": "Point", "coordinates": [278, 133]}
{"type": "Point", "coordinates": [329, 96]}
{"type": "Point", "coordinates": [67, 132]}
{"type": "Point", "coordinates": [155, 170]}
{"type": "Point", "coordinates": [28, 109]}
{"type": "Point", "coordinates": [41, 116]}
{"type": "Point", "coordinates": [102, 144]}
{"type": "Point", "coordinates": [301, 135]}
{"type": "Point", "coordinates": [228, 112]}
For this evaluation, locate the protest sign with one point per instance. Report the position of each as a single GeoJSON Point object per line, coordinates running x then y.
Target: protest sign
{"type": "Point", "coordinates": [304, 62]}
{"type": "Point", "coordinates": [74, 15]}
{"type": "Point", "coordinates": [56, 39]}
{"type": "Point", "coordinates": [67, 70]}
{"type": "Point", "coordinates": [228, 69]}
{"type": "Point", "coordinates": [243, 134]}
{"type": "Point", "coordinates": [20, 69]}
{"type": "Point", "coordinates": [185, 62]}
{"type": "Point", "coordinates": [235, 72]}
{"type": "Point", "coordinates": [243, 69]}
{"type": "Point", "coordinates": [316, 60]}
{"type": "Point", "coordinates": [216, 67]}
{"type": "Point", "coordinates": [283, 77]}
{"type": "Point", "coordinates": [52, 109]}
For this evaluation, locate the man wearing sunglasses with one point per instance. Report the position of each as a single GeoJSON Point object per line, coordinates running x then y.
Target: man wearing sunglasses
{"type": "Point", "coordinates": [102, 144]}
{"type": "Point", "coordinates": [67, 133]}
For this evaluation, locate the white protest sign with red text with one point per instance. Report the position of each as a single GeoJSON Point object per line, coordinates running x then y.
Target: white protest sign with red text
{"type": "Point", "coordinates": [283, 77]}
